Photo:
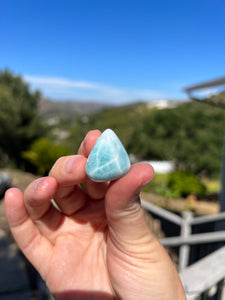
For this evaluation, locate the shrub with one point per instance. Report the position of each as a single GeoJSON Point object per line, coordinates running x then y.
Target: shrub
{"type": "Point", "coordinates": [43, 153]}
{"type": "Point", "coordinates": [184, 184]}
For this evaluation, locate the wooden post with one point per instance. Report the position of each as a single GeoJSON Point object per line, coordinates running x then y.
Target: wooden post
{"type": "Point", "coordinates": [185, 231]}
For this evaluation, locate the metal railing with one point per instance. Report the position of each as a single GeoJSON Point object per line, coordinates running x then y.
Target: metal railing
{"type": "Point", "coordinates": [206, 275]}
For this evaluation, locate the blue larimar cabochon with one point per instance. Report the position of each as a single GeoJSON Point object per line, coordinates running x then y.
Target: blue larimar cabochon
{"type": "Point", "coordinates": [108, 159]}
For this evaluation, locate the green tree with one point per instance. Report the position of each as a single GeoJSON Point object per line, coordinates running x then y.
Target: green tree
{"type": "Point", "coordinates": [20, 123]}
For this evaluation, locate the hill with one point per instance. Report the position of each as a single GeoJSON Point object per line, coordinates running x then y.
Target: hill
{"type": "Point", "coordinates": [69, 109]}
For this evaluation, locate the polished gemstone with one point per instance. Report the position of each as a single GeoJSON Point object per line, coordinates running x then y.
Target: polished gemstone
{"type": "Point", "coordinates": [108, 159]}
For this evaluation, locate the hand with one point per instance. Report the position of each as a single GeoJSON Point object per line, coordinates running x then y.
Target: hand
{"type": "Point", "coordinates": [98, 246]}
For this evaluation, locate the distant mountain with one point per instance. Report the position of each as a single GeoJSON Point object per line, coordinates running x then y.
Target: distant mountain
{"type": "Point", "coordinates": [69, 109]}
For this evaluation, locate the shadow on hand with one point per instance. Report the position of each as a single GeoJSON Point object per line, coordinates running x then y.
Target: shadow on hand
{"type": "Point", "coordinates": [83, 295]}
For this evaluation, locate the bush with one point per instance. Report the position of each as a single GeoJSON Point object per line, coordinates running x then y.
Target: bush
{"type": "Point", "coordinates": [43, 154]}
{"type": "Point", "coordinates": [184, 184]}
{"type": "Point", "coordinates": [159, 186]}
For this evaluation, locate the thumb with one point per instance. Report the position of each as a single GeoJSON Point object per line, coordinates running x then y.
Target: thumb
{"type": "Point", "coordinates": [123, 209]}
{"type": "Point", "coordinates": [134, 248]}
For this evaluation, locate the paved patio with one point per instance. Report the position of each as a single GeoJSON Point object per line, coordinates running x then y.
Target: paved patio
{"type": "Point", "coordinates": [14, 283]}
{"type": "Point", "coordinates": [18, 279]}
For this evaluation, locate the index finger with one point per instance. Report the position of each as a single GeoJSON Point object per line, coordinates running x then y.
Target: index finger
{"type": "Point", "coordinates": [96, 190]}
{"type": "Point", "coordinates": [89, 142]}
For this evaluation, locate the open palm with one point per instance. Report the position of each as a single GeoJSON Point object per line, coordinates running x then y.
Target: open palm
{"type": "Point", "coordinates": [98, 245]}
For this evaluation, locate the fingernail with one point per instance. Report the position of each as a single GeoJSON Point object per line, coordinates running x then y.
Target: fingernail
{"type": "Point", "coordinates": [38, 184]}
{"type": "Point", "coordinates": [70, 164]}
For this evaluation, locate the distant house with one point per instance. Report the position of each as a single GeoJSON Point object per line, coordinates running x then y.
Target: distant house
{"type": "Point", "coordinates": [163, 103]}
{"type": "Point", "coordinates": [162, 167]}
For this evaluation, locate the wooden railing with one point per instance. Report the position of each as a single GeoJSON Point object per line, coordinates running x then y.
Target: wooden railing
{"type": "Point", "coordinates": [206, 275]}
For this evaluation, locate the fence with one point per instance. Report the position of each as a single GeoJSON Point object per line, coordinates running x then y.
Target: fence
{"type": "Point", "coordinates": [207, 275]}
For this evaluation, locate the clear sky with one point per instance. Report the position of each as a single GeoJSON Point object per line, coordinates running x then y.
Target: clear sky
{"type": "Point", "coordinates": [113, 50]}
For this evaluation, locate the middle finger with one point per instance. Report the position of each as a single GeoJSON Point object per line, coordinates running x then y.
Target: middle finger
{"type": "Point", "coordinates": [69, 172]}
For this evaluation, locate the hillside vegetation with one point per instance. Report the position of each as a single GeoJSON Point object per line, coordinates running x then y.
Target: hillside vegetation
{"type": "Point", "coordinates": [190, 134]}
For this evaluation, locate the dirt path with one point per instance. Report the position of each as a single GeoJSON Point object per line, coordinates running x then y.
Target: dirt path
{"type": "Point", "coordinates": [200, 208]}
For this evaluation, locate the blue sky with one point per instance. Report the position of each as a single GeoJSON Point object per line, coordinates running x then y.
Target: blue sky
{"type": "Point", "coordinates": [113, 51]}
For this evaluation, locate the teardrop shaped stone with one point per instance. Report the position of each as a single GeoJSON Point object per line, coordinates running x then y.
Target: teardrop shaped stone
{"type": "Point", "coordinates": [108, 159]}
